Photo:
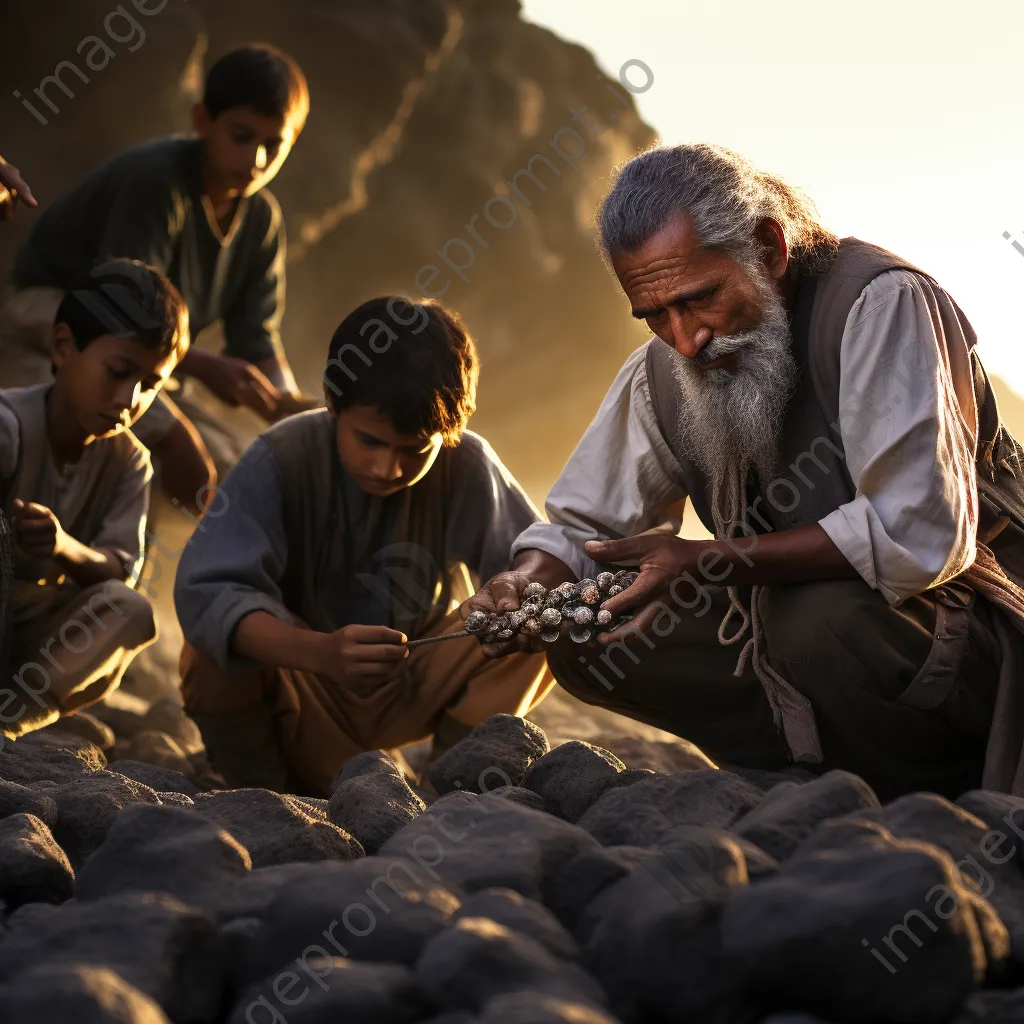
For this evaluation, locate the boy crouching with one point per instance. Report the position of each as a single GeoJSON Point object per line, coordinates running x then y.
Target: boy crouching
{"type": "Point", "coordinates": [75, 484]}
{"type": "Point", "coordinates": [346, 532]}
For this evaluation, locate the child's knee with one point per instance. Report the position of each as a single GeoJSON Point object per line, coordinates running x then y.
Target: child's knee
{"type": "Point", "coordinates": [116, 602]}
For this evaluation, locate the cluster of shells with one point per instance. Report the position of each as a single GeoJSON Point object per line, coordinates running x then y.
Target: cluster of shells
{"type": "Point", "coordinates": [570, 609]}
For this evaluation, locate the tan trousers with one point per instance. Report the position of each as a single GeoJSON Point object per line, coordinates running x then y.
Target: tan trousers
{"type": "Point", "coordinates": [73, 654]}
{"type": "Point", "coordinates": [320, 725]}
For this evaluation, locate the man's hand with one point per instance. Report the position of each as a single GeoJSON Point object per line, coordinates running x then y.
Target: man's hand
{"type": "Point", "coordinates": [663, 559]}
{"type": "Point", "coordinates": [37, 529]}
{"type": "Point", "coordinates": [13, 189]}
{"type": "Point", "coordinates": [504, 592]}
{"type": "Point", "coordinates": [672, 569]}
{"type": "Point", "coordinates": [234, 381]}
{"type": "Point", "coordinates": [355, 654]}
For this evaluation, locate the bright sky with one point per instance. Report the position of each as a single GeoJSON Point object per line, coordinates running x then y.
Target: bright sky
{"type": "Point", "coordinates": [902, 119]}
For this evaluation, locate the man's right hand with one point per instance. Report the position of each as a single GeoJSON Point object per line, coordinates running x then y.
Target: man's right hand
{"type": "Point", "coordinates": [355, 654]}
{"type": "Point", "coordinates": [504, 593]}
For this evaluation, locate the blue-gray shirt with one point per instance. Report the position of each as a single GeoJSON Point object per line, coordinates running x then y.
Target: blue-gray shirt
{"type": "Point", "coordinates": [235, 560]}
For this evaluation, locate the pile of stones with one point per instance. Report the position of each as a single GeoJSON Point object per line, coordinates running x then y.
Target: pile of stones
{"type": "Point", "coordinates": [529, 885]}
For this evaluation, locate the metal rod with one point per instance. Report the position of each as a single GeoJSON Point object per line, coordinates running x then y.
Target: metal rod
{"type": "Point", "coordinates": [438, 639]}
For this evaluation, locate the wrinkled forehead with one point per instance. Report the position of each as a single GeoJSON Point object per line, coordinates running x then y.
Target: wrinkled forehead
{"type": "Point", "coordinates": [670, 262]}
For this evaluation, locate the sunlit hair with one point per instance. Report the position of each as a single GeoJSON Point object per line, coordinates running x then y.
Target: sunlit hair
{"type": "Point", "coordinates": [413, 361]}
{"type": "Point", "coordinates": [262, 77]}
{"type": "Point", "coordinates": [129, 299]}
{"type": "Point", "coordinates": [726, 197]}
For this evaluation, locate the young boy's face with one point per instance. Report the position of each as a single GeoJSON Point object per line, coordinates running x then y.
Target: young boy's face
{"type": "Point", "coordinates": [376, 456]}
{"type": "Point", "coordinates": [110, 383]}
{"type": "Point", "coordinates": [245, 149]}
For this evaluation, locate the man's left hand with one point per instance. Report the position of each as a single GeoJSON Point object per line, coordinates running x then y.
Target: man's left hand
{"type": "Point", "coordinates": [663, 559]}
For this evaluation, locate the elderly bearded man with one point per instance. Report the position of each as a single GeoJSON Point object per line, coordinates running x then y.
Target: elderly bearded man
{"type": "Point", "coordinates": [820, 404]}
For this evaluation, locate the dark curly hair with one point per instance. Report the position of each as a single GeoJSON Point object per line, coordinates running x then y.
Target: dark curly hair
{"type": "Point", "coordinates": [413, 361]}
{"type": "Point", "coordinates": [259, 76]}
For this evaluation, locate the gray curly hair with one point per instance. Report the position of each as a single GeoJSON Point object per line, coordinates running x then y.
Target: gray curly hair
{"type": "Point", "coordinates": [726, 197]}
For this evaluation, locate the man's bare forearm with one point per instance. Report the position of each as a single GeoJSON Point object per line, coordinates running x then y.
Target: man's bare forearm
{"type": "Point", "coordinates": [789, 556]}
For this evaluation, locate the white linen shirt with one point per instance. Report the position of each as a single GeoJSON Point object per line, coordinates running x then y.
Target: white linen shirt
{"type": "Point", "coordinates": [909, 446]}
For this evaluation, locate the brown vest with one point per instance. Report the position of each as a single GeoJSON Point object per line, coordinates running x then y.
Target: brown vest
{"type": "Point", "coordinates": [815, 480]}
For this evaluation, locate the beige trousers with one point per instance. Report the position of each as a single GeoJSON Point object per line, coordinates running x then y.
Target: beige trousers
{"type": "Point", "coordinates": [320, 724]}
{"type": "Point", "coordinates": [73, 654]}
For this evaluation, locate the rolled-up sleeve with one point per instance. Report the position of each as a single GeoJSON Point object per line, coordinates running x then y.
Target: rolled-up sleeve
{"type": "Point", "coordinates": [235, 559]}
{"type": "Point", "coordinates": [908, 423]}
{"type": "Point", "coordinates": [621, 480]}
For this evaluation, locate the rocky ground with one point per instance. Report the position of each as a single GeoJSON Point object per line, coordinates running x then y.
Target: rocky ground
{"type": "Point", "coordinates": [539, 878]}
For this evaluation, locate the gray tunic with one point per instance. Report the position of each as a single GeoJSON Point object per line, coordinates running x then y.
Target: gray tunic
{"type": "Point", "coordinates": [102, 499]}
{"type": "Point", "coordinates": [235, 561]}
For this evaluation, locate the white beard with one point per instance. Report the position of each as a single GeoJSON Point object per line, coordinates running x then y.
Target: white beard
{"type": "Point", "coordinates": [730, 420]}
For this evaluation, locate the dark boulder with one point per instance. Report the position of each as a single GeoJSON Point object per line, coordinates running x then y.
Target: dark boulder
{"type": "Point", "coordinates": [88, 806]}
{"type": "Point", "coordinates": [639, 815]}
{"type": "Point", "coordinates": [652, 935]}
{"type": "Point", "coordinates": [163, 780]}
{"type": "Point", "coordinates": [532, 1008]}
{"type": "Point", "coordinates": [334, 989]}
{"type": "Point", "coordinates": [168, 717]}
{"type": "Point", "coordinates": [275, 828]}
{"type": "Point", "coordinates": [497, 752]}
{"type": "Point", "coordinates": [33, 867]}
{"type": "Point", "coordinates": [157, 748]}
{"type": "Point", "coordinates": [469, 964]}
{"type": "Point", "coordinates": [481, 842]}
{"type": "Point", "coordinates": [872, 933]}
{"type": "Point", "coordinates": [382, 909]}
{"type": "Point", "coordinates": [86, 727]}
{"type": "Point", "coordinates": [519, 914]}
{"type": "Point", "coordinates": [521, 796]}
{"type": "Point", "coordinates": [572, 776]}
{"type": "Point", "coordinates": [54, 757]}
{"type": "Point", "coordinates": [986, 859]}
{"type": "Point", "coordinates": [165, 849]}
{"type": "Point", "coordinates": [18, 799]}
{"type": "Point", "coordinates": [78, 993]}
{"type": "Point", "coordinates": [792, 811]}
{"type": "Point", "coordinates": [373, 801]}
{"type": "Point", "coordinates": [166, 950]}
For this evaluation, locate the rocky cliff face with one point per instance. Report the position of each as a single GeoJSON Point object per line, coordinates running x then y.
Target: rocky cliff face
{"type": "Point", "coordinates": [447, 150]}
